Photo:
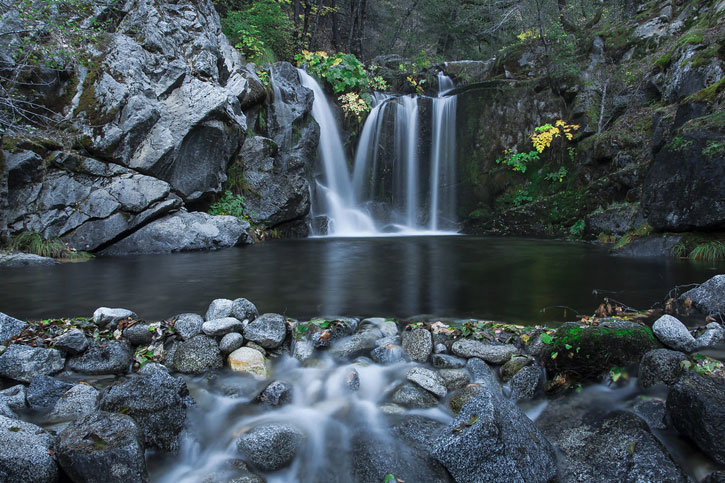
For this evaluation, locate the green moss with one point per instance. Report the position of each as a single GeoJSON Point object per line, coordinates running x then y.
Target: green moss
{"type": "Point", "coordinates": [711, 122]}
{"type": "Point", "coordinates": [664, 62]}
{"type": "Point", "coordinates": [709, 94]}
{"type": "Point", "coordinates": [692, 38]}
{"type": "Point", "coordinates": [88, 103]}
{"type": "Point", "coordinates": [713, 150]}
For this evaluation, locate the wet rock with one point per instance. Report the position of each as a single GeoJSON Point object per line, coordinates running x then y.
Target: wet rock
{"type": "Point", "coordinates": [649, 247]}
{"type": "Point", "coordinates": [660, 365]}
{"type": "Point", "coordinates": [219, 327]}
{"type": "Point", "coordinates": [198, 354]}
{"type": "Point", "coordinates": [243, 309]}
{"type": "Point", "coordinates": [651, 410]}
{"type": "Point", "coordinates": [14, 397]}
{"type": "Point", "coordinates": [17, 259]}
{"type": "Point", "coordinates": [108, 358]}
{"type": "Point", "coordinates": [708, 298]}
{"type": "Point", "coordinates": [188, 325]}
{"type": "Point", "coordinates": [72, 342]}
{"type": "Point", "coordinates": [714, 333]}
{"type": "Point", "coordinates": [333, 329]}
{"type": "Point", "coordinates": [585, 352]}
{"type": "Point", "coordinates": [378, 454]}
{"type": "Point", "coordinates": [387, 354]}
{"type": "Point", "coordinates": [525, 383]}
{"type": "Point", "coordinates": [184, 231]}
{"type": "Point", "coordinates": [23, 363]}
{"type": "Point", "coordinates": [418, 344]}
{"type": "Point", "coordinates": [26, 454]}
{"type": "Point", "coordinates": [429, 380]}
{"type": "Point", "coordinates": [696, 408]}
{"type": "Point", "coordinates": [231, 342]}
{"type": "Point", "coordinates": [104, 316]}
{"type": "Point", "coordinates": [102, 447]}
{"type": "Point", "coordinates": [278, 393]}
{"type": "Point", "coordinates": [352, 380]}
{"type": "Point", "coordinates": [495, 354]}
{"type": "Point", "coordinates": [10, 327]}
{"type": "Point", "coordinates": [74, 403]}
{"type": "Point", "coordinates": [461, 397]}
{"type": "Point", "coordinates": [513, 366]}
{"type": "Point", "coordinates": [271, 447]}
{"type": "Point", "coordinates": [355, 345]}
{"type": "Point", "coordinates": [412, 396]}
{"type": "Point", "coordinates": [139, 334]}
{"type": "Point", "coordinates": [219, 309]}
{"type": "Point", "coordinates": [445, 361]}
{"type": "Point", "coordinates": [417, 431]}
{"type": "Point", "coordinates": [673, 333]}
{"type": "Point", "coordinates": [267, 330]}
{"type": "Point", "coordinates": [44, 391]}
{"type": "Point", "coordinates": [303, 350]}
{"type": "Point", "coordinates": [248, 361]}
{"type": "Point", "coordinates": [156, 402]}
{"type": "Point", "coordinates": [455, 378]}
{"type": "Point", "coordinates": [492, 438]}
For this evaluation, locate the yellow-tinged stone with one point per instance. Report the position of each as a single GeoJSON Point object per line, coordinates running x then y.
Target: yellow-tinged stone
{"type": "Point", "coordinates": [248, 361]}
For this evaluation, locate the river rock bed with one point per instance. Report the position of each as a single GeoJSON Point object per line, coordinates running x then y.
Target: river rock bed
{"type": "Point", "coordinates": [236, 395]}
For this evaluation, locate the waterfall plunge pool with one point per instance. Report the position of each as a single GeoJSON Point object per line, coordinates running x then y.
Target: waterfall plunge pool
{"type": "Point", "coordinates": [505, 279]}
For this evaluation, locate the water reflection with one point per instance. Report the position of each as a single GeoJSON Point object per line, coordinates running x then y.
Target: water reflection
{"type": "Point", "coordinates": [508, 279]}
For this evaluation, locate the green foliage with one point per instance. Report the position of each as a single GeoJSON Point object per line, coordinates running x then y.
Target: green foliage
{"type": "Point", "coordinates": [29, 242]}
{"type": "Point", "coordinates": [679, 144]}
{"type": "Point", "coordinates": [344, 72]}
{"type": "Point", "coordinates": [713, 251]}
{"type": "Point", "coordinates": [557, 175]}
{"type": "Point", "coordinates": [262, 30]}
{"type": "Point", "coordinates": [229, 204]}
{"type": "Point", "coordinates": [664, 62]}
{"type": "Point", "coordinates": [577, 229]}
{"type": "Point", "coordinates": [692, 38]}
{"type": "Point", "coordinates": [518, 161]}
{"type": "Point", "coordinates": [713, 150]}
{"type": "Point", "coordinates": [630, 236]}
{"type": "Point", "coordinates": [680, 250]}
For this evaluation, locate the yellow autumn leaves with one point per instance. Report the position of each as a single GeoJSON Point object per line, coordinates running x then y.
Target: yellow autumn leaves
{"type": "Point", "coordinates": [543, 136]}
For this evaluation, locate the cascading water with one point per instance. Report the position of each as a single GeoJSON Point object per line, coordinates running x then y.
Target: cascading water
{"type": "Point", "coordinates": [399, 185]}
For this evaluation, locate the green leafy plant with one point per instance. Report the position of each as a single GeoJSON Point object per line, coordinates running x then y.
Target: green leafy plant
{"type": "Point", "coordinates": [714, 150]}
{"type": "Point", "coordinates": [679, 143]}
{"type": "Point", "coordinates": [577, 229]}
{"type": "Point", "coordinates": [518, 161]}
{"type": "Point", "coordinates": [229, 204]}
{"type": "Point", "coordinates": [557, 175]}
{"type": "Point", "coordinates": [344, 72]}
{"type": "Point", "coordinates": [261, 30]}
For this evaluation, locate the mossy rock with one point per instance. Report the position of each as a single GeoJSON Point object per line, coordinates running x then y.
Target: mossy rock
{"type": "Point", "coordinates": [583, 352]}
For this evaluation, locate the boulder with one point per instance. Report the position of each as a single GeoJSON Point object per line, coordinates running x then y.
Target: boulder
{"type": "Point", "coordinates": [525, 383]}
{"type": "Point", "coordinates": [513, 366]}
{"type": "Point", "coordinates": [714, 333]}
{"type": "Point", "coordinates": [108, 358]}
{"type": "Point", "coordinates": [673, 333]}
{"type": "Point", "coordinates": [18, 259]}
{"type": "Point", "coordinates": [696, 408]}
{"type": "Point", "coordinates": [23, 363]}
{"type": "Point", "coordinates": [616, 446]}
{"type": "Point", "coordinates": [243, 309]}
{"type": "Point", "coordinates": [649, 247]}
{"type": "Point", "coordinates": [271, 447]}
{"type": "Point", "coordinates": [267, 330]}
{"type": "Point", "coordinates": [104, 316]}
{"type": "Point", "coordinates": [231, 342]}
{"type": "Point", "coordinates": [220, 327]}
{"type": "Point", "coordinates": [72, 342]}
{"type": "Point", "coordinates": [356, 345]}
{"type": "Point", "coordinates": [26, 452]}
{"type": "Point", "coordinates": [248, 361]}
{"type": "Point", "coordinates": [188, 325]}
{"type": "Point", "coordinates": [74, 403]}
{"type": "Point", "coordinates": [156, 401]}
{"type": "Point", "coordinates": [413, 396]}
{"type": "Point", "coordinates": [418, 344]}
{"type": "Point", "coordinates": [585, 352]}
{"type": "Point", "coordinates": [87, 202]}
{"type": "Point", "coordinates": [184, 231]}
{"type": "Point", "coordinates": [709, 297]}
{"type": "Point", "coordinates": [660, 365]}
{"type": "Point", "coordinates": [278, 393]}
{"type": "Point", "coordinates": [14, 397]}
{"type": "Point", "coordinates": [102, 447]}
{"type": "Point", "coordinates": [462, 396]}
{"type": "Point", "coordinates": [139, 334]}
{"type": "Point", "coordinates": [429, 380]}
{"type": "Point", "coordinates": [455, 378]}
{"type": "Point", "coordinates": [495, 354]}
{"type": "Point", "coordinates": [10, 327]}
{"type": "Point", "coordinates": [491, 439]}
{"type": "Point", "coordinates": [197, 355]}
{"type": "Point", "coordinates": [44, 391]}
{"type": "Point", "coordinates": [219, 309]}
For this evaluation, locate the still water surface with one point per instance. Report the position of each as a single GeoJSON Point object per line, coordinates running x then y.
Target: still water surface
{"type": "Point", "coordinates": [498, 278]}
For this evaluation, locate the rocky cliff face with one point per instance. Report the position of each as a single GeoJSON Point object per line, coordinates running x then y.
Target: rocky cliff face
{"type": "Point", "coordinates": [160, 115]}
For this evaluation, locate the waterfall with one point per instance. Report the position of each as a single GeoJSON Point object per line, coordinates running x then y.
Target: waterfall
{"type": "Point", "coordinates": [400, 184]}
{"type": "Point", "coordinates": [344, 217]}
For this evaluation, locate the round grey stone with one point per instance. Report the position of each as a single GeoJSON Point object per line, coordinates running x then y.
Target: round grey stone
{"type": "Point", "coordinates": [243, 309]}
{"type": "Point", "coordinates": [109, 358]}
{"type": "Point", "coordinates": [231, 342]}
{"type": "Point", "coordinates": [418, 344]}
{"type": "Point", "coordinates": [23, 363]}
{"type": "Point", "coordinates": [271, 447]}
{"type": "Point", "coordinates": [660, 365]}
{"type": "Point", "coordinates": [72, 342]}
{"type": "Point", "coordinates": [267, 330]}
{"type": "Point", "coordinates": [25, 454]}
{"type": "Point", "coordinates": [104, 316]}
{"type": "Point", "coordinates": [219, 309]}
{"type": "Point", "coordinates": [429, 380]}
{"type": "Point", "coordinates": [223, 326]}
{"type": "Point", "coordinates": [278, 393]}
{"type": "Point", "coordinates": [673, 333]}
{"type": "Point", "coordinates": [188, 325]}
{"type": "Point", "coordinates": [139, 334]}
{"type": "Point", "coordinates": [197, 355]}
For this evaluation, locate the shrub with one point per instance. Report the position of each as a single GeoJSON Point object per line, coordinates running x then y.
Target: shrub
{"type": "Point", "coordinates": [713, 251]}
{"type": "Point", "coordinates": [229, 204]}
{"type": "Point", "coordinates": [29, 242]}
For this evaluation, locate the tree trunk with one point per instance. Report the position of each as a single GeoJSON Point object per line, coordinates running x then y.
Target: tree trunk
{"type": "Point", "coordinates": [318, 14]}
